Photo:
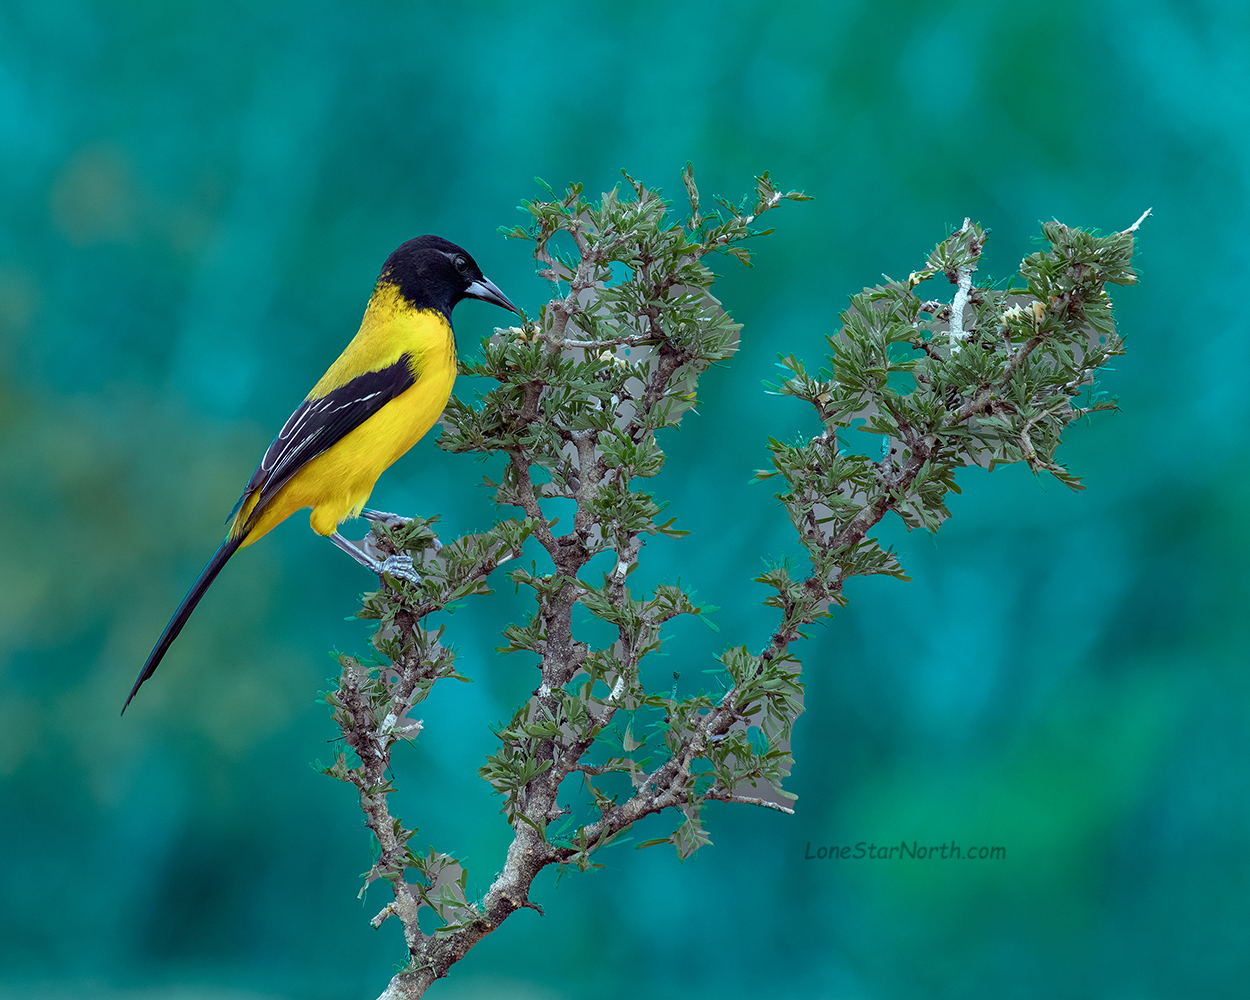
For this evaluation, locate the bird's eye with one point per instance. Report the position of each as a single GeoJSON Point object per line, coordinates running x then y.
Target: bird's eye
{"type": "Point", "coordinates": [462, 265]}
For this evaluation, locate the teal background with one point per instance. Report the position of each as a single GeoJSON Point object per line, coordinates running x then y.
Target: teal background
{"type": "Point", "coordinates": [194, 201]}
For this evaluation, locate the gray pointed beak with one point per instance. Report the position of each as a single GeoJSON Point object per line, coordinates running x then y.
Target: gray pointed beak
{"type": "Point", "coordinates": [488, 291]}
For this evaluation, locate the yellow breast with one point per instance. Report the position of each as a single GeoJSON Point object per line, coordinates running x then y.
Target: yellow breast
{"type": "Point", "coordinates": [337, 483]}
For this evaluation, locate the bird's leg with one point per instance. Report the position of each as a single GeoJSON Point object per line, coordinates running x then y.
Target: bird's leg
{"type": "Point", "coordinates": [398, 565]}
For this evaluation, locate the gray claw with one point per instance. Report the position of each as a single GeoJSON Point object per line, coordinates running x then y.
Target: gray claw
{"type": "Point", "coordinates": [384, 518]}
{"type": "Point", "coordinates": [401, 567]}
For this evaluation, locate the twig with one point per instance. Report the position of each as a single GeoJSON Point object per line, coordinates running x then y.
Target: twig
{"type": "Point", "coordinates": [1140, 220]}
{"type": "Point", "coordinates": [964, 277]}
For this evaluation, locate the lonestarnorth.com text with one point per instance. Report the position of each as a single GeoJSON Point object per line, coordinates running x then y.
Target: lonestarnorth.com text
{"type": "Point", "coordinates": [895, 852]}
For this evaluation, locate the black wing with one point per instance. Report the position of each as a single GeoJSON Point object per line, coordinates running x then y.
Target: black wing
{"type": "Point", "coordinates": [318, 423]}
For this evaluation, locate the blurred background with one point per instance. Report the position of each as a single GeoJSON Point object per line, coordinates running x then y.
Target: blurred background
{"type": "Point", "coordinates": [195, 201]}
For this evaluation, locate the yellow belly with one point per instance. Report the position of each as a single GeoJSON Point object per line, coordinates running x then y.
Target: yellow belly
{"type": "Point", "coordinates": [337, 483]}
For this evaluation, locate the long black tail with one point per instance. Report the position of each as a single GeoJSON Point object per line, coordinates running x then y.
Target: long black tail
{"type": "Point", "coordinates": [198, 589]}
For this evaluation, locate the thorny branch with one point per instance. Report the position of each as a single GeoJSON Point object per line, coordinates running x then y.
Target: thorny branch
{"type": "Point", "coordinates": [986, 378]}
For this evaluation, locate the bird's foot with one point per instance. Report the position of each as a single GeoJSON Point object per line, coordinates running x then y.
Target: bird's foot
{"type": "Point", "coordinates": [387, 520]}
{"type": "Point", "coordinates": [398, 566]}
{"type": "Point", "coordinates": [394, 521]}
{"type": "Point", "coordinates": [401, 567]}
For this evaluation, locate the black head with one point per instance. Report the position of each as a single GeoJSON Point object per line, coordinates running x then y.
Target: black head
{"type": "Point", "coordinates": [434, 273]}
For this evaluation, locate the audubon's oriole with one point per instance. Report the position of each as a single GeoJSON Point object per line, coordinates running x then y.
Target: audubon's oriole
{"type": "Point", "coordinates": [374, 403]}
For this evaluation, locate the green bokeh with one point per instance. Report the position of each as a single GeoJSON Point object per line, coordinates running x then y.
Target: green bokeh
{"type": "Point", "coordinates": [195, 200]}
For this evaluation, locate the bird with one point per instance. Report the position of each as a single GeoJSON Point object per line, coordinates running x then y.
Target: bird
{"type": "Point", "coordinates": [375, 402]}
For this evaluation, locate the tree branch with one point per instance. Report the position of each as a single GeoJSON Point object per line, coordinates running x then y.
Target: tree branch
{"type": "Point", "coordinates": [567, 402]}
